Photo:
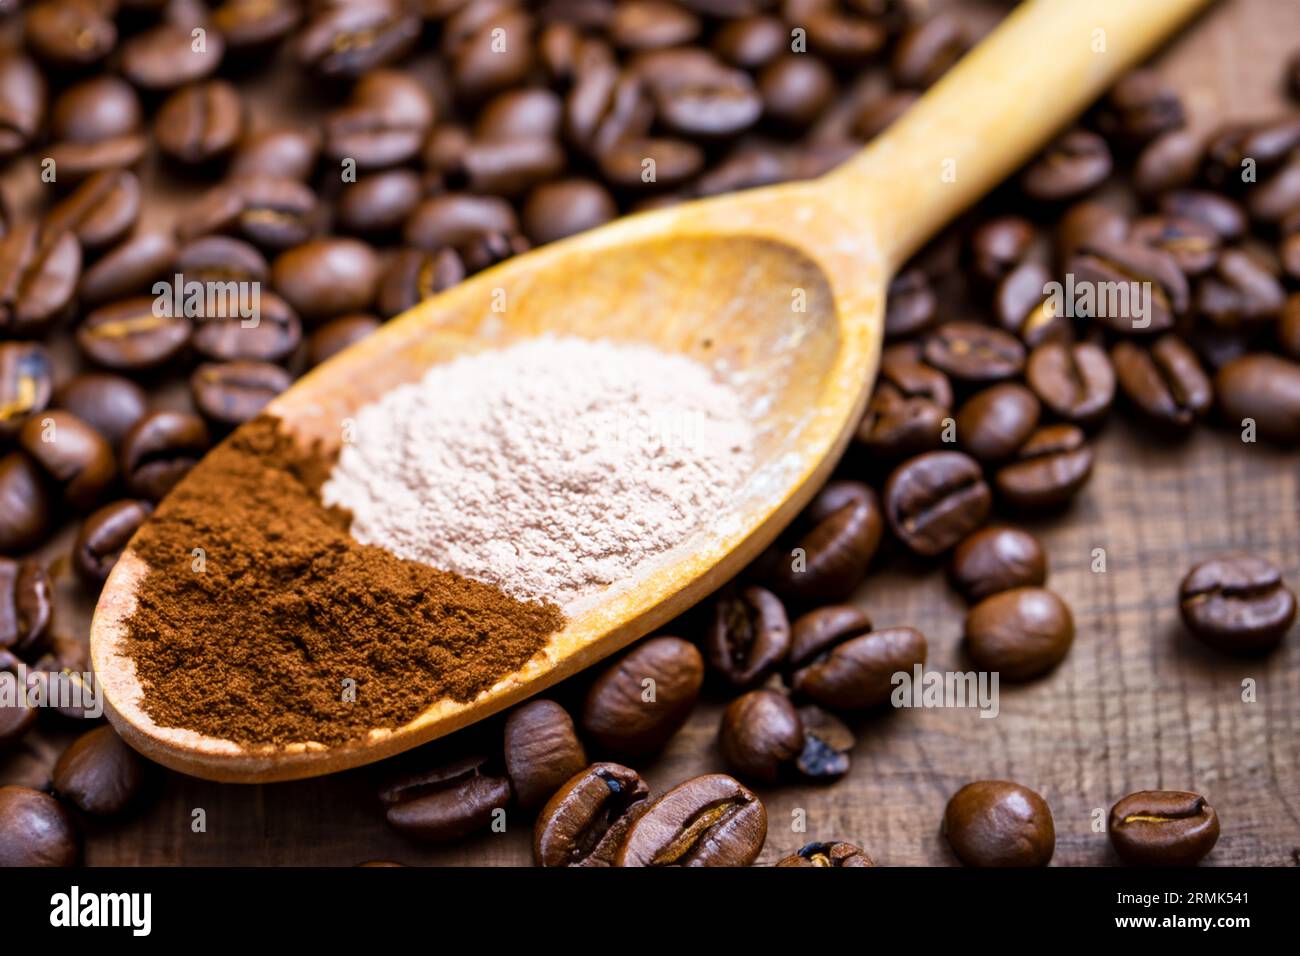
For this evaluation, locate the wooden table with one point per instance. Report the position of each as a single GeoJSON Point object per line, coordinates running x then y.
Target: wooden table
{"type": "Point", "coordinates": [1136, 705]}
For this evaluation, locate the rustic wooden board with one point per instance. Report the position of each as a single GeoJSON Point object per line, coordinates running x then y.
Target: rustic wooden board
{"type": "Point", "coordinates": [1137, 704]}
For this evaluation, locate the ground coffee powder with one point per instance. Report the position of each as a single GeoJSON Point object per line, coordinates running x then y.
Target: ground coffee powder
{"type": "Point", "coordinates": [255, 639]}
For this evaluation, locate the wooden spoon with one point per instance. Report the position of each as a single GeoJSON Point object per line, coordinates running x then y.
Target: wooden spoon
{"type": "Point", "coordinates": [782, 288]}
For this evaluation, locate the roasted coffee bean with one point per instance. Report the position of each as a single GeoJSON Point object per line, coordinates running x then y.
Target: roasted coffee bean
{"type": "Point", "coordinates": [999, 245]}
{"type": "Point", "coordinates": [26, 507]}
{"type": "Point", "coordinates": [908, 409]}
{"type": "Point", "coordinates": [346, 40]}
{"type": "Point", "coordinates": [231, 393]}
{"type": "Point", "coordinates": [542, 751]}
{"type": "Point", "coordinates": [752, 41]}
{"type": "Point", "coordinates": [413, 275]}
{"type": "Point", "coordinates": [934, 500]}
{"type": "Point", "coordinates": [606, 105]}
{"type": "Point", "coordinates": [75, 161]}
{"type": "Point", "coordinates": [528, 113]}
{"type": "Point", "coordinates": [999, 823]}
{"type": "Point", "coordinates": [1086, 224]}
{"type": "Point", "coordinates": [562, 208]}
{"type": "Point", "coordinates": [199, 123]}
{"type": "Point", "coordinates": [481, 65]}
{"type": "Point", "coordinates": [456, 219]}
{"type": "Point", "coordinates": [1264, 388]}
{"type": "Point", "coordinates": [796, 89]}
{"type": "Point", "coordinates": [712, 103]}
{"type": "Point", "coordinates": [38, 278]}
{"type": "Point", "coordinates": [22, 102]}
{"type": "Point", "coordinates": [72, 455]}
{"type": "Point", "coordinates": [26, 382]}
{"type": "Point", "coordinates": [749, 636]}
{"type": "Point", "coordinates": [1140, 107]}
{"type": "Point", "coordinates": [99, 212]}
{"type": "Point", "coordinates": [846, 666]}
{"type": "Point", "coordinates": [99, 774]}
{"type": "Point", "coordinates": [447, 802]}
{"type": "Point", "coordinates": [911, 305]}
{"type": "Point", "coordinates": [265, 330]}
{"type": "Point", "coordinates": [1025, 309]}
{"type": "Point", "coordinates": [927, 50]}
{"type": "Point", "coordinates": [71, 33]}
{"type": "Point", "coordinates": [269, 211]}
{"type": "Point", "coordinates": [1170, 161]}
{"type": "Point", "coordinates": [26, 607]}
{"type": "Point", "coordinates": [384, 122]}
{"type": "Point", "coordinates": [1048, 471]}
{"type": "Point", "coordinates": [827, 745]}
{"type": "Point", "coordinates": [646, 163]}
{"type": "Point", "coordinates": [760, 735]}
{"type": "Point", "coordinates": [167, 56]}
{"type": "Point", "coordinates": [66, 663]}
{"type": "Point", "coordinates": [379, 203]}
{"type": "Point", "coordinates": [617, 714]}
{"type": "Point", "coordinates": [1163, 828]}
{"type": "Point", "coordinates": [128, 269]}
{"type": "Point", "coordinates": [587, 819]}
{"type": "Point", "coordinates": [284, 151]}
{"type": "Point", "coordinates": [35, 830]}
{"type": "Point", "coordinates": [490, 248]}
{"type": "Point", "coordinates": [842, 36]}
{"type": "Point", "coordinates": [508, 167]}
{"type": "Point", "coordinates": [1130, 287]}
{"type": "Point", "coordinates": [1271, 200]}
{"type": "Point", "coordinates": [707, 821]}
{"type": "Point", "coordinates": [1165, 382]}
{"type": "Point", "coordinates": [1240, 291]}
{"type": "Point", "coordinates": [129, 336]}
{"type": "Point", "coordinates": [993, 423]}
{"type": "Point", "coordinates": [107, 403]}
{"type": "Point", "coordinates": [1220, 213]}
{"type": "Point", "coordinates": [1075, 164]}
{"type": "Point", "coordinates": [1237, 603]}
{"type": "Point", "coordinates": [325, 278]}
{"type": "Point", "coordinates": [1075, 381]}
{"type": "Point", "coordinates": [827, 854]}
{"type": "Point", "coordinates": [1194, 245]}
{"type": "Point", "coordinates": [336, 335]}
{"type": "Point", "coordinates": [879, 114]}
{"type": "Point", "coordinates": [16, 719]}
{"type": "Point", "coordinates": [1236, 147]}
{"type": "Point", "coordinates": [214, 259]}
{"type": "Point", "coordinates": [974, 353]}
{"type": "Point", "coordinates": [159, 450]}
{"type": "Point", "coordinates": [102, 537]}
{"type": "Point", "coordinates": [997, 559]}
{"type": "Point", "coordinates": [652, 25]}
{"type": "Point", "coordinates": [829, 559]}
{"type": "Point", "coordinates": [1020, 633]}
{"type": "Point", "coordinates": [96, 110]}
{"type": "Point", "coordinates": [255, 24]}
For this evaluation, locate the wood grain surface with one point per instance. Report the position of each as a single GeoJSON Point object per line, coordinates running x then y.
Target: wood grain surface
{"type": "Point", "coordinates": [1136, 705]}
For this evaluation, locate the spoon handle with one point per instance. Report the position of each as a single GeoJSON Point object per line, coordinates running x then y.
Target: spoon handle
{"type": "Point", "coordinates": [1038, 70]}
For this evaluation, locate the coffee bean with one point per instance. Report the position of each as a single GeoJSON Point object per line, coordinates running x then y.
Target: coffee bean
{"type": "Point", "coordinates": [26, 507]}
{"type": "Point", "coordinates": [490, 248]}
{"type": "Point", "coordinates": [996, 421]}
{"type": "Point", "coordinates": [1048, 471]}
{"type": "Point", "coordinates": [107, 403]}
{"type": "Point", "coordinates": [1241, 291]}
{"type": "Point", "coordinates": [562, 208]}
{"type": "Point", "coordinates": [707, 821]}
{"type": "Point", "coordinates": [128, 269]}
{"type": "Point", "coordinates": [379, 203]}
{"type": "Point", "coordinates": [128, 336]}
{"type": "Point", "coordinates": [527, 113]}
{"type": "Point", "coordinates": [927, 50]}
{"type": "Point", "coordinates": [1075, 164]}
{"type": "Point", "coordinates": [447, 802]}
{"type": "Point", "coordinates": [751, 42]}
{"type": "Point", "coordinates": [934, 500]}
{"type": "Point", "coordinates": [26, 607]}
{"type": "Point", "coordinates": [998, 823]}
{"type": "Point", "coordinates": [1170, 161]}
{"type": "Point", "coordinates": [1165, 382]}
{"type": "Point", "coordinates": [1237, 603]}
{"type": "Point", "coordinates": [456, 219]}
{"type": "Point", "coordinates": [283, 151]}
{"type": "Point", "coordinates": [16, 719]}
{"type": "Point", "coordinates": [26, 379]}
{"type": "Point", "coordinates": [760, 734]}
{"type": "Point", "coordinates": [103, 536]}
{"type": "Point", "coordinates": [796, 89]}
{"type": "Point", "coordinates": [221, 259]}
{"type": "Point", "coordinates": [22, 102]}
{"type": "Point", "coordinates": [911, 305]}
{"type": "Point", "coordinates": [542, 751]}
{"type": "Point", "coordinates": [1086, 224]}
{"type": "Point", "coordinates": [1140, 107]}
{"type": "Point", "coordinates": [997, 559]}
{"type": "Point", "coordinates": [231, 393]}
{"type": "Point", "coordinates": [508, 167]}
{"type": "Point", "coordinates": [1142, 273]}
{"type": "Point", "coordinates": [100, 211]}
{"type": "Point", "coordinates": [843, 664]}
{"type": "Point", "coordinates": [827, 854]}
{"type": "Point", "coordinates": [76, 161]}
{"type": "Point", "coordinates": [99, 774]}
{"type": "Point", "coordinates": [269, 331]}
{"type": "Point", "coordinates": [346, 40]}
{"type": "Point", "coordinates": [481, 66]}
{"type": "Point", "coordinates": [999, 245]}
{"type": "Point", "coordinates": [38, 278]}
{"type": "Point", "coordinates": [199, 123]}
{"type": "Point", "coordinates": [72, 455]}
{"type": "Point", "coordinates": [336, 335]}
{"type": "Point", "coordinates": [1220, 213]}
{"type": "Point", "coordinates": [1076, 382]}
{"type": "Point", "coordinates": [879, 114]}
{"type": "Point", "coordinates": [634, 706]}
{"type": "Point", "coordinates": [1024, 308]}
{"type": "Point", "coordinates": [606, 105]}
{"type": "Point", "coordinates": [413, 275]}
{"type": "Point", "coordinates": [384, 122]}
{"type": "Point", "coordinates": [252, 25]}
{"type": "Point", "coordinates": [748, 637]}
{"type": "Point", "coordinates": [1265, 389]}
{"type": "Point", "coordinates": [95, 110]}
{"type": "Point", "coordinates": [827, 745]}
{"type": "Point", "coordinates": [1275, 197]}
{"type": "Point", "coordinates": [35, 830]}
{"type": "Point", "coordinates": [647, 162]}
{"type": "Point", "coordinates": [158, 451]}
{"type": "Point", "coordinates": [269, 211]}
{"type": "Point", "coordinates": [842, 36]}
{"type": "Point", "coordinates": [843, 529]}
{"type": "Point", "coordinates": [325, 278]}
{"type": "Point", "coordinates": [651, 25]}
{"type": "Point", "coordinates": [974, 353]}
{"type": "Point", "coordinates": [587, 819]}
{"type": "Point", "coordinates": [1020, 633]}
{"type": "Point", "coordinates": [167, 56]}
{"type": "Point", "coordinates": [1163, 828]}
{"type": "Point", "coordinates": [908, 410]}
{"type": "Point", "coordinates": [71, 33]}
{"type": "Point", "coordinates": [1193, 245]}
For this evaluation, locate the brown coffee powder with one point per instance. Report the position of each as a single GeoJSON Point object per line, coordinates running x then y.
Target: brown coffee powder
{"type": "Point", "coordinates": [258, 646]}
